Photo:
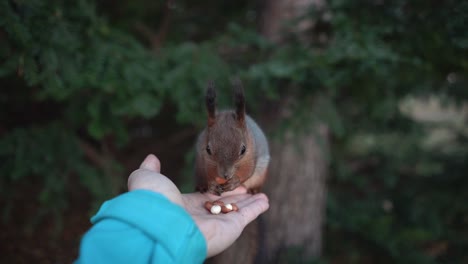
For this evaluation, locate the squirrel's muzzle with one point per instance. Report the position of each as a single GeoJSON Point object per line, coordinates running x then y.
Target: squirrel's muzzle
{"type": "Point", "coordinates": [226, 173]}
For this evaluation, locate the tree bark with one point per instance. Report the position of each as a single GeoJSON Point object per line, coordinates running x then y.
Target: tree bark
{"type": "Point", "coordinates": [297, 190]}
{"type": "Point", "coordinates": [276, 14]}
{"type": "Point", "coordinates": [291, 231]}
{"type": "Point", "coordinates": [297, 175]}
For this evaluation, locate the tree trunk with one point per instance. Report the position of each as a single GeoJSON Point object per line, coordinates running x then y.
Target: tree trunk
{"type": "Point", "coordinates": [297, 190]}
{"type": "Point", "coordinates": [291, 231]}
{"type": "Point", "coordinates": [297, 175]}
{"type": "Point", "coordinates": [276, 14]}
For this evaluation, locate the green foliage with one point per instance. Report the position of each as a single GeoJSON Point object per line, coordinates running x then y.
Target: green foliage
{"type": "Point", "coordinates": [49, 156]}
{"type": "Point", "coordinates": [398, 198]}
{"type": "Point", "coordinates": [98, 78]}
{"type": "Point", "coordinates": [84, 80]}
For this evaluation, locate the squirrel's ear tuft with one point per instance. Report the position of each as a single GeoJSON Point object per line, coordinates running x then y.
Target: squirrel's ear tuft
{"type": "Point", "coordinates": [239, 100]}
{"type": "Point", "coordinates": [211, 103]}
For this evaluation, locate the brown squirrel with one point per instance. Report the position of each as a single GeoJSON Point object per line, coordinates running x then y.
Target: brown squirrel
{"type": "Point", "coordinates": [232, 149]}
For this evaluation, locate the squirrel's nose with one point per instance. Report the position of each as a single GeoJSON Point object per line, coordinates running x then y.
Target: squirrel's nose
{"type": "Point", "coordinates": [227, 175]}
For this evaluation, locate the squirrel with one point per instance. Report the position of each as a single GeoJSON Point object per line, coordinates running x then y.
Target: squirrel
{"type": "Point", "coordinates": [232, 150]}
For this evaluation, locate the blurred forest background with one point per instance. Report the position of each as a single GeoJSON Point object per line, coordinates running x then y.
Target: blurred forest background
{"type": "Point", "coordinates": [88, 88]}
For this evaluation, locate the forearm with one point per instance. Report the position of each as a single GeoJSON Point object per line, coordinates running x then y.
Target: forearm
{"type": "Point", "coordinates": [142, 227]}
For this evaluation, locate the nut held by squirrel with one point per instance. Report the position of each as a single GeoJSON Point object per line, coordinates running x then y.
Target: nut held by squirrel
{"type": "Point", "coordinates": [232, 150]}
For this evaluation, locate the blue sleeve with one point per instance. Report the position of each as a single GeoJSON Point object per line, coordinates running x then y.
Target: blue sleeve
{"type": "Point", "coordinates": [142, 227]}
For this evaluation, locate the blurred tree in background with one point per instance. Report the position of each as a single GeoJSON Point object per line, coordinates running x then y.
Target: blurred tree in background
{"type": "Point", "coordinates": [89, 87]}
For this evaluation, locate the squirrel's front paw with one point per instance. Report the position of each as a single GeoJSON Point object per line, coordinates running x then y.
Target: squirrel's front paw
{"type": "Point", "coordinates": [230, 185]}
{"type": "Point", "coordinates": [219, 190]}
{"type": "Point", "coordinates": [214, 189]}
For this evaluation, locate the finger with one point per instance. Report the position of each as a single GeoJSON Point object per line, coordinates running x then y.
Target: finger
{"type": "Point", "coordinates": [146, 179]}
{"type": "Point", "coordinates": [251, 208]}
{"type": "Point", "coordinates": [239, 190]}
{"type": "Point", "coordinates": [236, 198]}
{"type": "Point", "coordinates": [197, 200]}
{"type": "Point", "coordinates": [249, 198]}
{"type": "Point", "coordinates": [151, 162]}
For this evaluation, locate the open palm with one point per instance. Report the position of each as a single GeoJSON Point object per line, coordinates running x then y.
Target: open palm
{"type": "Point", "coordinates": [221, 230]}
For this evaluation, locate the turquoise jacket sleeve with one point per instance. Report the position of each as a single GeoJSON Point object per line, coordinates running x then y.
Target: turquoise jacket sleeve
{"type": "Point", "coordinates": [142, 227]}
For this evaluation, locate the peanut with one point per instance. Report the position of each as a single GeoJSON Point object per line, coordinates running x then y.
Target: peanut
{"type": "Point", "coordinates": [218, 206]}
{"type": "Point", "coordinates": [219, 202]}
{"type": "Point", "coordinates": [208, 205]}
{"type": "Point", "coordinates": [234, 207]}
{"type": "Point", "coordinates": [225, 209]}
{"type": "Point", "coordinates": [215, 209]}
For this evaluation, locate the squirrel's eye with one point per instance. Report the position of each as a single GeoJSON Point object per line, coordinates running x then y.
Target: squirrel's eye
{"type": "Point", "coordinates": [208, 150]}
{"type": "Point", "coordinates": [242, 152]}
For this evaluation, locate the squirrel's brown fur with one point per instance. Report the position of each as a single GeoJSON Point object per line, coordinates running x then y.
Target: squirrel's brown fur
{"type": "Point", "coordinates": [232, 149]}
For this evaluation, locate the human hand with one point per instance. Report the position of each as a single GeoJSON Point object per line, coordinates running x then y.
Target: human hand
{"type": "Point", "coordinates": [220, 231]}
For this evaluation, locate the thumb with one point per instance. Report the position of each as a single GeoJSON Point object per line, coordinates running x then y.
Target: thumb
{"type": "Point", "coordinates": [152, 163]}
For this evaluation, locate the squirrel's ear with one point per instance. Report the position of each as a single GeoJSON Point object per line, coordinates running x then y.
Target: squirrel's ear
{"type": "Point", "coordinates": [211, 103]}
{"type": "Point", "coordinates": [239, 100]}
